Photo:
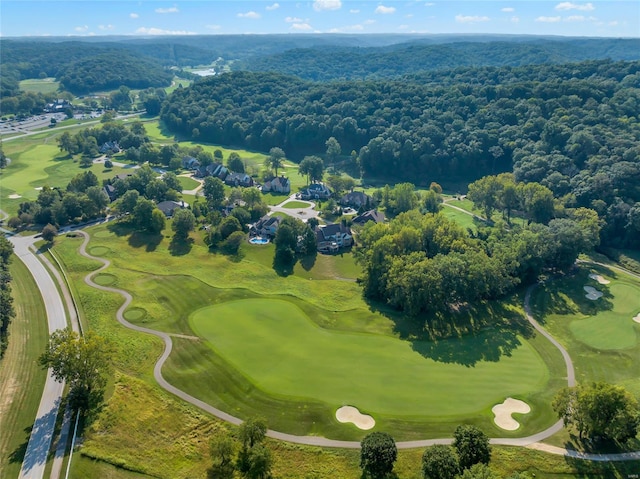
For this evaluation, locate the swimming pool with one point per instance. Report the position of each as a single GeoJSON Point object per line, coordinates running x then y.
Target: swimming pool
{"type": "Point", "coordinates": [258, 240]}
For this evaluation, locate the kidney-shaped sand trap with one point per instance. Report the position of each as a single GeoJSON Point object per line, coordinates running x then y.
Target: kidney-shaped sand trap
{"type": "Point", "coordinates": [592, 293]}
{"type": "Point", "coordinates": [637, 318]}
{"type": "Point", "coordinates": [353, 415]}
{"type": "Point", "coordinates": [503, 412]}
{"type": "Point", "coordinates": [599, 278]}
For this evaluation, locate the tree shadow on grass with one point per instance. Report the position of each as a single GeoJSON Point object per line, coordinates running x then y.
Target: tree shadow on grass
{"type": "Point", "coordinates": [605, 469]}
{"type": "Point", "coordinates": [137, 239]}
{"type": "Point", "coordinates": [566, 296]}
{"type": "Point", "coordinates": [308, 261]}
{"type": "Point", "coordinates": [484, 332]}
{"type": "Point", "coordinates": [180, 245]}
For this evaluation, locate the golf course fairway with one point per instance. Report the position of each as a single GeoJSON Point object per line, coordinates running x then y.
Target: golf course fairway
{"type": "Point", "coordinates": [284, 353]}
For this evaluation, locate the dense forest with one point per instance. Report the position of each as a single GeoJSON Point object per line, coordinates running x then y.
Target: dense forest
{"type": "Point", "coordinates": [573, 128]}
{"type": "Point", "coordinates": [341, 62]}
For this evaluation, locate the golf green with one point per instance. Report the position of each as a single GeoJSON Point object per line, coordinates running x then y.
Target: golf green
{"type": "Point", "coordinates": [614, 328]}
{"type": "Point", "coordinates": [277, 347]}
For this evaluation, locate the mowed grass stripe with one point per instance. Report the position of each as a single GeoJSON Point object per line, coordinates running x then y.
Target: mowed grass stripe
{"type": "Point", "coordinates": [279, 348]}
{"type": "Point", "coordinates": [21, 378]}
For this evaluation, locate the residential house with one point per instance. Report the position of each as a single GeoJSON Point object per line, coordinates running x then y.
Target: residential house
{"type": "Point", "coordinates": [371, 215]}
{"type": "Point", "coordinates": [266, 226]}
{"type": "Point", "coordinates": [111, 192]}
{"type": "Point", "coordinates": [331, 238]}
{"type": "Point", "coordinates": [110, 147]}
{"type": "Point", "coordinates": [315, 191]}
{"type": "Point", "coordinates": [280, 184]}
{"type": "Point", "coordinates": [190, 163]}
{"type": "Point", "coordinates": [217, 170]}
{"type": "Point", "coordinates": [238, 179]}
{"type": "Point", "coordinates": [168, 207]}
{"type": "Point", "coordinates": [356, 199]}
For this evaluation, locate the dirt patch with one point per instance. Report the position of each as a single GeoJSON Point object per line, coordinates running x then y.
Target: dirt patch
{"type": "Point", "coordinates": [504, 410]}
{"type": "Point", "coordinates": [353, 415]}
{"type": "Point", "coordinates": [599, 278]}
{"type": "Point", "coordinates": [592, 293]}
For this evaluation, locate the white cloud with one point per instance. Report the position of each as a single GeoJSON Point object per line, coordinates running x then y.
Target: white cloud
{"type": "Point", "coordinates": [322, 5]}
{"type": "Point", "coordinates": [369, 22]}
{"type": "Point", "coordinates": [213, 27]}
{"type": "Point", "coordinates": [410, 15]}
{"type": "Point", "coordinates": [293, 20]}
{"type": "Point", "coordinates": [82, 28]}
{"type": "Point", "coordinates": [167, 10]}
{"type": "Point", "coordinates": [471, 19]}
{"type": "Point", "coordinates": [133, 15]}
{"type": "Point", "coordinates": [508, 9]}
{"type": "Point", "coordinates": [403, 27]}
{"type": "Point", "coordinates": [613, 23]}
{"type": "Point", "coordinates": [585, 7]}
{"type": "Point", "coordinates": [275, 6]}
{"type": "Point", "coordinates": [548, 19]}
{"type": "Point", "coordinates": [160, 31]}
{"type": "Point", "coordinates": [354, 11]}
{"type": "Point", "coordinates": [575, 18]}
{"type": "Point", "coordinates": [515, 19]}
{"type": "Point", "coordinates": [430, 4]}
{"type": "Point", "coordinates": [382, 10]}
{"type": "Point", "coordinates": [105, 27]}
{"type": "Point", "coordinates": [351, 28]}
{"type": "Point", "coordinates": [253, 15]}
{"type": "Point", "coordinates": [301, 27]}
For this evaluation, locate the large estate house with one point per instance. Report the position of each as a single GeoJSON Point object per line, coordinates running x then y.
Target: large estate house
{"type": "Point", "coordinates": [279, 184]}
{"type": "Point", "coordinates": [266, 226]}
{"type": "Point", "coordinates": [371, 215]}
{"type": "Point", "coordinates": [331, 238]}
{"type": "Point", "coordinates": [168, 207]}
{"type": "Point", "coordinates": [316, 191]}
{"type": "Point", "coordinates": [356, 199]}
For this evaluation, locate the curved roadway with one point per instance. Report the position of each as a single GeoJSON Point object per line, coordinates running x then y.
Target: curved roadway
{"type": "Point", "coordinates": [35, 457]}
{"type": "Point", "coordinates": [531, 441]}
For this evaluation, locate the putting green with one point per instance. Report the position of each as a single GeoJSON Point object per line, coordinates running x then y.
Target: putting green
{"type": "Point", "coordinates": [611, 329]}
{"type": "Point", "coordinates": [284, 353]}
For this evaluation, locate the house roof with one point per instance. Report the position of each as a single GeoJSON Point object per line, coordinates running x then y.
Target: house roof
{"type": "Point", "coordinates": [167, 207]}
{"type": "Point", "coordinates": [325, 232]}
{"type": "Point", "coordinates": [355, 196]}
{"type": "Point", "coordinates": [371, 215]}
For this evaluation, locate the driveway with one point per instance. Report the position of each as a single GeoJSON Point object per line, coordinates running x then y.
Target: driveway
{"type": "Point", "coordinates": [303, 213]}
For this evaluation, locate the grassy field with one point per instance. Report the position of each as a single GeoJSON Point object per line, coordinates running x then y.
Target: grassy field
{"type": "Point", "coordinates": [286, 345]}
{"type": "Point", "coordinates": [40, 85]}
{"type": "Point", "coordinates": [36, 161]}
{"type": "Point", "coordinates": [151, 270]}
{"type": "Point", "coordinates": [21, 378]}
{"type": "Point", "coordinates": [292, 205]}
{"type": "Point", "coordinates": [188, 183]}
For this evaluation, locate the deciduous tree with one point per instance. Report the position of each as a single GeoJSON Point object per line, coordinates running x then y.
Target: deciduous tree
{"type": "Point", "coordinates": [378, 454]}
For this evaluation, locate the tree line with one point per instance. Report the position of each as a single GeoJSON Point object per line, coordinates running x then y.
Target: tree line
{"type": "Point", "coordinates": [343, 62]}
{"type": "Point", "coordinates": [421, 261]}
{"type": "Point", "coordinates": [572, 128]}
{"type": "Point", "coordinates": [7, 311]}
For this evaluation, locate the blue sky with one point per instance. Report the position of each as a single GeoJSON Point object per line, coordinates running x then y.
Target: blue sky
{"type": "Point", "coordinates": [150, 17]}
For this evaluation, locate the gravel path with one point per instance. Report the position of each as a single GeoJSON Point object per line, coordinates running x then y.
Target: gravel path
{"type": "Point", "coordinates": [531, 441]}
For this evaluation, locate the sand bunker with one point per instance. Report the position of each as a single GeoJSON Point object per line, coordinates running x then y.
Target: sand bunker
{"type": "Point", "coordinates": [14, 197]}
{"type": "Point", "coordinates": [637, 318]}
{"type": "Point", "coordinates": [504, 411]}
{"type": "Point", "coordinates": [351, 414]}
{"type": "Point", "coordinates": [38, 188]}
{"type": "Point", "coordinates": [599, 278]}
{"type": "Point", "coordinates": [592, 293]}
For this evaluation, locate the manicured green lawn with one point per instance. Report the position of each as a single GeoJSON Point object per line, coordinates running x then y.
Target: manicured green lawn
{"type": "Point", "coordinates": [21, 378]}
{"type": "Point", "coordinates": [277, 346]}
{"type": "Point", "coordinates": [463, 219]}
{"type": "Point", "coordinates": [188, 183]}
{"type": "Point", "coordinates": [600, 335]}
{"type": "Point", "coordinates": [40, 85]}
{"type": "Point", "coordinates": [296, 205]}
{"type": "Point", "coordinates": [36, 162]}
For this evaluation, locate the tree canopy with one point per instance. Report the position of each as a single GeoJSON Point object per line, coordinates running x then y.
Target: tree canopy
{"type": "Point", "coordinates": [378, 454]}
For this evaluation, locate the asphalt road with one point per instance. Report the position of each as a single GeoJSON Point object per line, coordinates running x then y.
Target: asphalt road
{"type": "Point", "coordinates": [35, 457]}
